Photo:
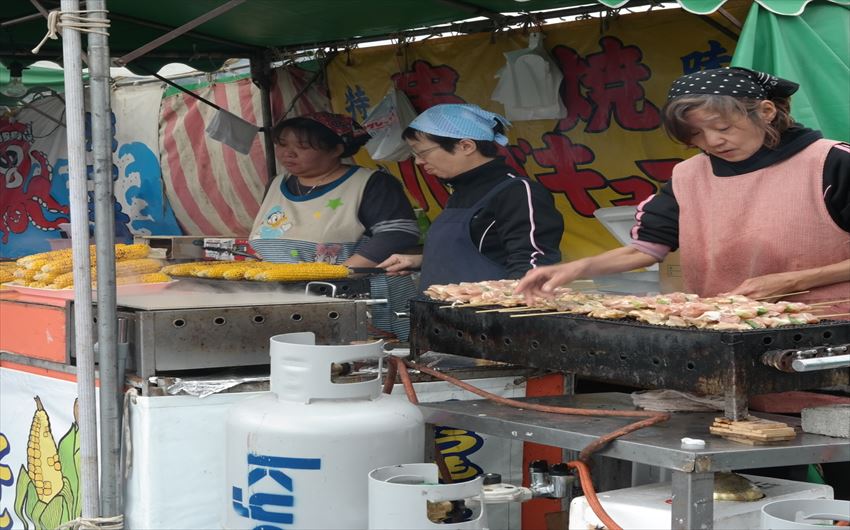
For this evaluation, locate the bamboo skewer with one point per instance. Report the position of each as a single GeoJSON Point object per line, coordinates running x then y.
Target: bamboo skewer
{"type": "Point", "coordinates": [544, 314]}
{"type": "Point", "coordinates": [455, 306]}
{"type": "Point", "coordinates": [512, 309]}
{"type": "Point", "coordinates": [831, 316]}
{"type": "Point", "coordinates": [830, 302]}
{"type": "Point", "coordinates": [780, 295]}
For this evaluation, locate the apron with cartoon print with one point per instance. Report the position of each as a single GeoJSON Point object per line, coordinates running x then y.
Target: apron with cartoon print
{"type": "Point", "coordinates": [324, 226]}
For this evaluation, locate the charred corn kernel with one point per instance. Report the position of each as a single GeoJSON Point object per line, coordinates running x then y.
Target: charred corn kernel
{"type": "Point", "coordinates": [301, 271]}
{"type": "Point", "coordinates": [43, 460]}
{"type": "Point", "coordinates": [137, 266]}
{"type": "Point", "coordinates": [39, 285]}
{"type": "Point", "coordinates": [135, 251]}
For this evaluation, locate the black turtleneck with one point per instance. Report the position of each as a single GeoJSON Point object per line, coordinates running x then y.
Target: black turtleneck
{"type": "Point", "coordinates": [517, 219]}
{"type": "Point", "coordinates": [660, 220]}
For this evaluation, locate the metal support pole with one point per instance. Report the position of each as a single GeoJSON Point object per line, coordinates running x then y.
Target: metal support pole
{"type": "Point", "coordinates": [104, 235]}
{"type": "Point", "coordinates": [693, 501]}
{"type": "Point", "coordinates": [83, 343]}
{"type": "Point", "coordinates": [261, 76]}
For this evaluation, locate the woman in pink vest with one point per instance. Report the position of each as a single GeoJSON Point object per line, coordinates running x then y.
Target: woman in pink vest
{"type": "Point", "coordinates": [763, 210]}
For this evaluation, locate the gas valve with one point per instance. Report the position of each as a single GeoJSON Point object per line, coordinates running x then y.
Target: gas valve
{"type": "Point", "coordinates": [552, 484]}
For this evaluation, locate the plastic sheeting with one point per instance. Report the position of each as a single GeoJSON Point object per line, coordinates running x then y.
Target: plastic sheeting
{"type": "Point", "coordinates": [810, 49]}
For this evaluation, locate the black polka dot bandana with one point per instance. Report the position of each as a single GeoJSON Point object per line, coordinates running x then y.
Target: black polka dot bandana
{"type": "Point", "coordinates": [732, 81]}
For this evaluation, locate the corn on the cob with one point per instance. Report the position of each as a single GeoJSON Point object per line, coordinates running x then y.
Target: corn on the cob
{"type": "Point", "coordinates": [45, 277]}
{"type": "Point", "coordinates": [187, 269]}
{"type": "Point", "coordinates": [151, 277]}
{"type": "Point", "coordinates": [63, 280]}
{"type": "Point", "coordinates": [135, 251]}
{"type": "Point", "coordinates": [301, 271]}
{"type": "Point", "coordinates": [36, 264]}
{"type": "Point", "coordinates": [26, 275]}
{"type": "Point", "coordinates": [137, 266]}
{"type": "Point", "coordinates": [43, 465]}
{"type": "Point", "coordinates": [242, 270]}
{"type": "Point", "coordinates": [51, 256]}
{"type": "Point", "coordinates": [6, 276]}
{"type": "Point", "coordinates": [133, 267]}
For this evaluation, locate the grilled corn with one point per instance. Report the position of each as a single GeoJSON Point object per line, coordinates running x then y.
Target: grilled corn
{"type": "Point", "coordinates": [301, 271]}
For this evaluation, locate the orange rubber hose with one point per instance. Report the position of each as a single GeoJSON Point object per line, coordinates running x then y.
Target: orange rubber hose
{"type": "Point", "coordinates": [590, 494]}
{"type": "Point", "coordinates": [651, 418]}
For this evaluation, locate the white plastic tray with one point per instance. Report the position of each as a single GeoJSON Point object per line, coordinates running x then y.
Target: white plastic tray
{"type": "Point", "coordinates": [68, 294]}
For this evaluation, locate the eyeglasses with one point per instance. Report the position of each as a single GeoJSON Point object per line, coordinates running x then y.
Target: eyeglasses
{"type": "Point", "coordinates": [421, 154]}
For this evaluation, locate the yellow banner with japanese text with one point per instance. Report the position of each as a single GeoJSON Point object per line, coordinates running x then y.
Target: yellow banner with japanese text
{"type": "Point", "coordinates": [609, 150]}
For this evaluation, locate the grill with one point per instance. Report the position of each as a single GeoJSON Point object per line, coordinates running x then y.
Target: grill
{"type": "Point", "coordinates": [730, 363]}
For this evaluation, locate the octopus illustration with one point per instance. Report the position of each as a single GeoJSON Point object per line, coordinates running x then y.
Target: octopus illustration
{"type": "Point", "coordinates": [25, 184]}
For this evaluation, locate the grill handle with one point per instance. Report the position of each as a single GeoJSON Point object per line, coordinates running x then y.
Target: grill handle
{"type": "Point", "coordinates": [816, 358]}
{"type": "Point", "coordinates": [821, 363]}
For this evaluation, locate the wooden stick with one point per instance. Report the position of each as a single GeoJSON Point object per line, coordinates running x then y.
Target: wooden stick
{"type": "Point", "coordinates": [544, 314]}
{"type": "Point", "coordinates": [831, 302]}
{"type": "Point", "coordinates": [512, 309]}
{"type": "Point", "coordinates": [455, 306]}
{"type": "Point", "coordinates": [780, 295]}
{"type": "Point", "coordinates": [819, 316]}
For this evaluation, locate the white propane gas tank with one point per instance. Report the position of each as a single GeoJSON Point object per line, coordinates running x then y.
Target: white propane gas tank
{"type": "Point", "coordinates": [299, 456]}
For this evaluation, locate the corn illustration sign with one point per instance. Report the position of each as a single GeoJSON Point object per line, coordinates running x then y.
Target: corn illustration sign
{"type": "Point", "coordinates": [6, 480]}
{"type": "Point", "coordinates": [48, 486]}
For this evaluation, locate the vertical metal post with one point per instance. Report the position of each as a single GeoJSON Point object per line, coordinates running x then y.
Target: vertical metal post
{"type": "Point", "coordinates": [83, 343]}
{"type": "Point", "coordinates": [693, 501]}
{"type": "Point", "coordinates": [262, 78]}
{"type": "Point", "coordinates": [104, 235]}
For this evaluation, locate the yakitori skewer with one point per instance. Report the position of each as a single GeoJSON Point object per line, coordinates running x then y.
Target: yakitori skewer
{"type": "Point", "coordinates": [834, 315]}
{"type": "Point", "coordinates": [829, 302]}
{"type": "Point", "coordinates": [781, 295]}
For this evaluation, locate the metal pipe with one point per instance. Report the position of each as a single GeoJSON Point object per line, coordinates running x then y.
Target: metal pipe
{"type": "Point", "coordinates": [83, 343]}
{"type": "Point", "coordinates": [821, 363]}
{"type": "Point", "coordinates": [261, 76]}
{"type": "Point", "coordinates": [104, 235]}
{"type": "Point", "coordinates": [176, 32]}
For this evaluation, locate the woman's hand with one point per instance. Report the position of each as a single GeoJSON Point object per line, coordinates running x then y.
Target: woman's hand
{"type": "Point", "coordinates": [778, 283]}
{"type": "Point", "coordinates": [401, 264]}
{"type": "Point", "coordinates": [542, 281]}
{"type": "Point", "coordinates": [768, 285]}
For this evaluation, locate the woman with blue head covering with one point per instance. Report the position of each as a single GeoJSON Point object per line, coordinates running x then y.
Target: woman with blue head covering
{"type": "Point", "coordinates": [496, 224]}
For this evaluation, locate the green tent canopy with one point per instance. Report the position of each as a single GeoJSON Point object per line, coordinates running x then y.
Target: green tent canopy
{"type": "Point", "coordinates": [263, 26]}
{"type": "Point", "coordinates": [812, 49]}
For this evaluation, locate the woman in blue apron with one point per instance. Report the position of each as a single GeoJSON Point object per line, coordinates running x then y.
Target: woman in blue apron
{"type": "Point", "coordinates": [322, 209]}
{"type": "Point", "coordinates": [496, 224]}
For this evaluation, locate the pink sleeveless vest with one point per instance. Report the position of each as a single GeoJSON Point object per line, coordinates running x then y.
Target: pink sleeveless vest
{"type": "Point", "coordinates": [767, 221]}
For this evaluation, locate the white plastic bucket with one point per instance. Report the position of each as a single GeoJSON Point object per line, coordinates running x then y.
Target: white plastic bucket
{"type": "Point", "coordinates": [795, 514]}
{"type": "Point", "coordinates": [399, 498]}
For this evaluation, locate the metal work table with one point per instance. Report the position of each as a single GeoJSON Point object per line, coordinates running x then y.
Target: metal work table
{"type": "Point", "coordinates": [660, 445]}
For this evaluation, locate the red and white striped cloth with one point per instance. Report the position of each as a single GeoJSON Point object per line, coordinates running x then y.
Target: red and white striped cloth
{"type": "Point", "coordinates": [213, 189]}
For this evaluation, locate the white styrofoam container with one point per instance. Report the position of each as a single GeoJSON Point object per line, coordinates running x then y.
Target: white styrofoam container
{"type": "Point", "coordinates": [649, 506]}
{"type": "Point", "coordinates": [619, 220]}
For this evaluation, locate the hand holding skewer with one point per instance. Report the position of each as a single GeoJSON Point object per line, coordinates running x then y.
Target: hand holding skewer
{"type": "Point", "coordinates": [401, 264]}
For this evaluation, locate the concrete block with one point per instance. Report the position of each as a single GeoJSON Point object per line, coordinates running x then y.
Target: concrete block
{"type": "Point", "coordinates": [833, 420]}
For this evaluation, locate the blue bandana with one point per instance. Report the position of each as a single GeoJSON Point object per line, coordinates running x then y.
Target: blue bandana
{"type": "Point", "coordinates": [461, 121]}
